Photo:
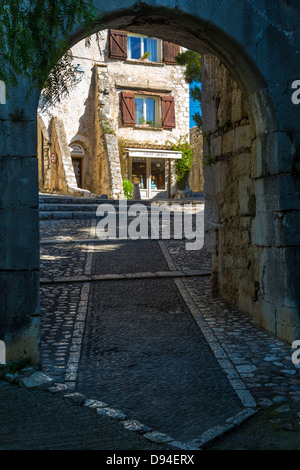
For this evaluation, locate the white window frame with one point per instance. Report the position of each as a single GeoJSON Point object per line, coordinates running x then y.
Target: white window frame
{"type": "Point", "coordinates": [158, 46]}
{"type": "Point", "coordinates": [157, 108]}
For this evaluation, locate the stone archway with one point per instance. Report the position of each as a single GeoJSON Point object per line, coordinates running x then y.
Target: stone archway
{"type": "Point", "coordinates": [242, 36]}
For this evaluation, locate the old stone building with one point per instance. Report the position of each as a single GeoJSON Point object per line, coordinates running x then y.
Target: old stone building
{"type": "Point", "coordinates": [119, 121]}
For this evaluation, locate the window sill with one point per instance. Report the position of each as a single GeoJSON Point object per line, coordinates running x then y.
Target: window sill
{"type": "Point", "coordinates": [143, 62]}
{"type": "Point", "coordinates": [145, 128]}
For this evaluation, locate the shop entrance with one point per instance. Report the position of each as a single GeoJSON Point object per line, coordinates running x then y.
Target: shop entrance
{"type": "Point", "coordinates": [152, 170]}
{"type": "Point", "coordinates": [152, 175]}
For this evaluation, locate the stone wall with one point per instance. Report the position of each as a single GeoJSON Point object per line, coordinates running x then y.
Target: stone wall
{"type": "Point", "coordinates": [229, 188]}
{"type": "Point", "coordinates": [246, 219]}
{"type": "Point", "coordinates": [196, 179]}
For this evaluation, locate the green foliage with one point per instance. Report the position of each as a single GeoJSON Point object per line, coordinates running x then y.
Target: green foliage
{"type": "Point", "coordinates": [196, 93]}
{"type": "Point", "coordinates": [151, 123]}
{"type": "Point", "coordinates": [146, 55]}
{"type": "Point", "coordinates": [106, 127]}
{"type": "Point", "coordinates": [14, 367]}
{"type": "Point", "coordinates": [193, 73]}
{"type": "Point", "coordinates": [127, 187]}
{"type": "Point", "coordinates": [192, 62]}
{"type": "Point", "coordinates": [198, 120]}
{"type": "Point", "coordinates": [209, 159]}
{"type": "Point", "coordinates": [35, 41]}
{"type": "Point", "coordinates": [226, 124]}
{"type": "Point", "coordinates": [184, 164]}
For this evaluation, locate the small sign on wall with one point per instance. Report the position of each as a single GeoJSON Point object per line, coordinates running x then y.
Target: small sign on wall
{"type": "Point", "coordinates": [53, 157]}
{"type": "Point", "coordinates": [77, 149]}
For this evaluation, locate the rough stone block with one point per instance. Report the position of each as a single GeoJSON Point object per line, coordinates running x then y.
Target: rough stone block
{"type": "Point", "coordinates": [111, 413]}
{"type": "Point", "coordinates": [136, 426]}
{"type": "Point", "coordinates": [37, 380]}
{"type": "Point", "coordinates": [158, 437]}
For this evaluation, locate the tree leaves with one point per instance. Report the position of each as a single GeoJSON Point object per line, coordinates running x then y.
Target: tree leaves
{"type": "Point", "coordinates": [34, 44]}
{"type": "Point", "coordinates": [193, 73]}
{"type": "Point", "coordinates": [192, 62]}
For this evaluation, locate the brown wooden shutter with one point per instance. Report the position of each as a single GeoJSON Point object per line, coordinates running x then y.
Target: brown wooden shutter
{"type": "Point", "coordinates": [168, 112]}
{"type": "Point", "coordinates": [170, 51]}
{"type": "Point", "coordinates": [117, 44]}
{"type": "Point", "coordinates": [128, 108]}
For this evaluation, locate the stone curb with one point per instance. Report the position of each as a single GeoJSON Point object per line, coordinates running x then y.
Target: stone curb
{"type": "Point", "coordinates": [125, 277]}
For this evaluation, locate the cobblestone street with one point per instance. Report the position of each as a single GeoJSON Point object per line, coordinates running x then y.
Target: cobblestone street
{"type": "Point", "coordinates": [134, 324]}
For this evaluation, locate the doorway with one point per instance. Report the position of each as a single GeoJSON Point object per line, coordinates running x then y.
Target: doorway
{"type": "Point", "coordinates": [152, 175]}
{"type": "Point", "coordinates": [77, 165]}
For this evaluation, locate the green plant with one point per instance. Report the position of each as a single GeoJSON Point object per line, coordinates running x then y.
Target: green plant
{"type": "Point", "coordinates": [142, 121]}
{"type": "Point", "coordinates": [226, 124]}
{"type": "Point", "coordinates": [35, 43]}
{"type": "Point", "coordinates": [127, 188]}
{"type": "Point", "coordinates": [14, 367]}
{"type": "Point", "coordinates": [106, 127]}
{"type": "Point", "coordinates": [184, 164]}
{"type": "Point", "coordinates": [151, 123]}
{"type": "Point", "coordinates": [208, 159]}
{"type": "Point", "coordinates": [193, 75]}
{"type": "Point", "coordinates": [146, 55]}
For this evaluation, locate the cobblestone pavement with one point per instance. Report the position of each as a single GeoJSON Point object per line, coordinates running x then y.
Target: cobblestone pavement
{"type": "Point", "coordinates": [163, 350]}
{"type": "Point", "coordinates": [38, 420]}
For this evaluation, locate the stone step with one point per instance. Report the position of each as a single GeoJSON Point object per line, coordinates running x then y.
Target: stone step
{"type": "Point", "coordinates": [71, 200]}
{"type": "Point", "coordinates": [68, 207]}
{"type": "Point", "coordinates": [72, 207]}
{"type": "Point", "coordinates": [67, 215]}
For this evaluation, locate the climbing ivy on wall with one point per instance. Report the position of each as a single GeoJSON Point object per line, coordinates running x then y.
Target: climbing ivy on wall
{"type": "Point", "coordinates": [184, 164]}
{"type": "Point", "coordinates": [35, 41]}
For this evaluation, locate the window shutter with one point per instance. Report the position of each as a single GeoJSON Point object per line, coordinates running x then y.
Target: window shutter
{"type": "Point", "coordinates": [117, 44]}
{"type": "Point", "coordinates": [128, 108]}
{"type": "Point", "coordinates": [168, 112]}
{"type": "Point", "coordinates": [170, 51]}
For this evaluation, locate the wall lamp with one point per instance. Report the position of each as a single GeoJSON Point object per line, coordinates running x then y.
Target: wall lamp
{"type": "Point", "coordinates": [79, 72]}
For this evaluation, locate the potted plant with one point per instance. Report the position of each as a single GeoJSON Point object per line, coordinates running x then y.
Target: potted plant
{"type": "Point", "coordinates": [145, 56]}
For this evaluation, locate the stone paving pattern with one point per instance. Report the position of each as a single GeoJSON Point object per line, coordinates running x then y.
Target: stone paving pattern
{"type": "Point", "coordinates": [144, 354]}
{"type": "Point", "coordinates": [39, 420]}
{"type": "Point", "coordinates": [253, 360]}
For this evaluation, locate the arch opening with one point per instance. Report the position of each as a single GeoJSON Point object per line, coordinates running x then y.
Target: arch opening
{"type": "Point", "coordinates": [237, 142]}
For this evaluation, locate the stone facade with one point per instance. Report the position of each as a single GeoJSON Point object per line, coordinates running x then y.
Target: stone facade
{"type": "Point", "coordinates": [92, 117]}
